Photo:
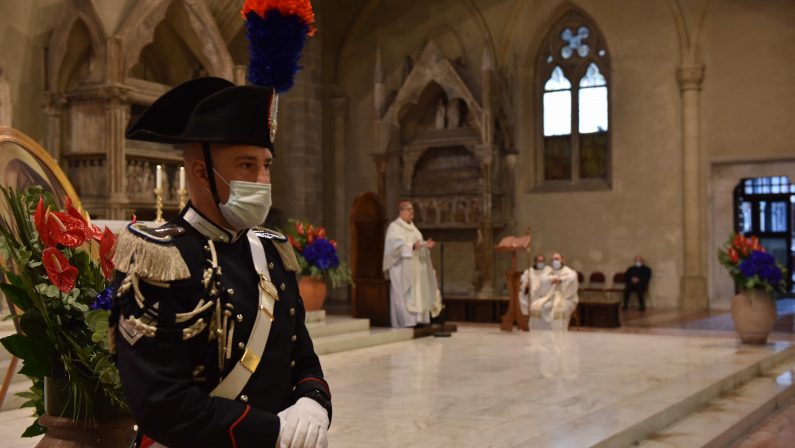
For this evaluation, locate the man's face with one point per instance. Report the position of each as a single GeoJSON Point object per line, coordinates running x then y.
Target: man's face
{"type": "Point", "coordinates": [406, 211]}
{"type": "Point", "coordinates": [558, 257]}
{"type": "Point", "coordinates": [243, 163]}
{"type": "Point", "coordinates": [540, 259]}
{"type": "Point", "coordinates": [639, 259]}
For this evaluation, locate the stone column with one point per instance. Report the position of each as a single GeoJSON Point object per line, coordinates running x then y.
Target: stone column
{"type": "Point", "coordinates": [693, 283]}
{"type": "Point", "coordinates": [53, 104]}
{"type": "Point", "coordinates": [340, 108]}
{"type": "Point", "coordinates": [486, 252]}
{"type": "Point", "coordinates": [117, 116]}
{"type": "Point", "coordinates": [299, 142]}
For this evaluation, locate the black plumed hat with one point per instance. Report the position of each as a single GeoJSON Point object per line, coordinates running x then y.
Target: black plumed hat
{"type": "Point", "coordinates": [210, 110]}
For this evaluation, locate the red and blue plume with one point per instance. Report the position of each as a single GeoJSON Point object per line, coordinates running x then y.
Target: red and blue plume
{"type": "Point", "coordinates": [277, 31]}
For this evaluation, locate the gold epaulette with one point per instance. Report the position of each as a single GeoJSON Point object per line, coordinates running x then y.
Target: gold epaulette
{"type": "Point", "coordinates": [150, 253]}
{"type": "Point", "coordinates": [282, 245]}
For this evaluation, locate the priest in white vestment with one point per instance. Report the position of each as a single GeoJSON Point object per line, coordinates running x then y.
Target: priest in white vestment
{"type": "Point", "coordinates": [530, 284]}
{"type": "Point", "coordinates": [414, 295]}
{"type": "Point", "coordinates": [553, 307]}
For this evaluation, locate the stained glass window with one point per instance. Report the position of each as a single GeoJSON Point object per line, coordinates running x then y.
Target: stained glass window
{"type": "Point", "coordinates": [575, 102]}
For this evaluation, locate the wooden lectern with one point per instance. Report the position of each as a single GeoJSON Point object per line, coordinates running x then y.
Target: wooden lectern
{"type": "Point", "coordinates": [514, 314]}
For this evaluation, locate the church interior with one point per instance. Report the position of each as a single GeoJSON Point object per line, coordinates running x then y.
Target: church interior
{"type": "Point", "coordinates": [601, 130]}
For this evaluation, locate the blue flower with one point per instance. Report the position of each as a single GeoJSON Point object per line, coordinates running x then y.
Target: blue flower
{"type": "Point", "coordinates": [103, 300]}
{"type": "Point", "coordinates": [321, 254]}
{"type": "Point", "coordinates": [761, 264]}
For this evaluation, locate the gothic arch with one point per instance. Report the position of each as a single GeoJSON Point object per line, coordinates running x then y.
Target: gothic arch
{"type": "Point", "coordinates": [82, 11]}
{"type": "Point", "coordinates": [138, 30]}
{"type": "Point", "coordinates": [432, 67]}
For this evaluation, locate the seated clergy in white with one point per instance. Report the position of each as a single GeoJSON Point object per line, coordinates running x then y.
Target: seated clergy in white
{"type": "Point", "coordinates": [553, 308]}
{"type": "Point", "coordinates": [413, 293]}
{"type": "Point", "coordinates": [530, 285]}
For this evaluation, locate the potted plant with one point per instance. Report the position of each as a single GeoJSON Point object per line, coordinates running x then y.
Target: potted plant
{"type": "Point", "coordinates": [57, 268]}
{"type": "Point", "coordinates": [756, 276]}
{"type": "Point", "coordinates": [320, 265]}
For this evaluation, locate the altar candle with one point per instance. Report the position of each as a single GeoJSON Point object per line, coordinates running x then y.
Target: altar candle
{"type": "Point", "coordinates": [182, 178]}
{"type": "Point", "coordinates": [158, 177]}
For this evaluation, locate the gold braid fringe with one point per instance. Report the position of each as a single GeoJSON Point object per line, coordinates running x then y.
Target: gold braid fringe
{"type": "Point", "coordinates": [287, 254]}
{"type": "Point", "coordinates": [148, 260]}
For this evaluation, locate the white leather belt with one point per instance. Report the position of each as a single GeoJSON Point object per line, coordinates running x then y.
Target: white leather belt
{"type": "Point", "coordinates": [233, 384]}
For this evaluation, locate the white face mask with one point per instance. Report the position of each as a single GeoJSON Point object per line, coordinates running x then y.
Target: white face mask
{"type": "Point", "coordinates": [638, 263]}
{"type": "Point", "coordinates": [540, 265]}
{"type": "Point", "coordinates": [248, 204]}
{"type": "Point", "coordinates": [556, 264]}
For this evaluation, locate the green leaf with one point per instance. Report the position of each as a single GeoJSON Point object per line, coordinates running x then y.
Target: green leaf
{"type": "Point", "coordinates": [34, 430]}
{"type": "Point", "coordinates": [17, 345]}
{"type": "Point", "coordinates": [17, 295]}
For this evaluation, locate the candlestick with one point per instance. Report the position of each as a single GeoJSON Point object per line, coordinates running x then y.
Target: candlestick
{"type": "Point", "coordinates": [158, 177]}
{"type": "Point", "coordinates": [159, 205]}
{"type": "Point", "coordinates": [182, 178]}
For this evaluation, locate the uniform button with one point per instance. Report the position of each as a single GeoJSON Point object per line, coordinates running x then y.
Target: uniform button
{"type": "Point", "coordinates": [239, 318]}
{"type": "Point", "coordinates": [244, 398]}
{"type": "Point", "coordinates": [292, 363]}
{"type": "Point", "coordinates": [241, 345]}
{"type": "Point", "coordinates": [230, 292]}
{"type": "Point", "coordinates": [294, 338]}
{"type": "Point", "coordinates": [271, 265]}
{"type": "Point", "coordinates": [282, 286]}
{"type": "Point", "coordinates": [292, 311]}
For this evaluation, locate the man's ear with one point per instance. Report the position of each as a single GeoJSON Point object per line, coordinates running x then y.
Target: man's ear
{"type": "Point", "coordinates": [198, 171]}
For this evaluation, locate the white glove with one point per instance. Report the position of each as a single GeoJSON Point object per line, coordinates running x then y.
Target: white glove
{"type": "Point", "coordinates": [303, 425]}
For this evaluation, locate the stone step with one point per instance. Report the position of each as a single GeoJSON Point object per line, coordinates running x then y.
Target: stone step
{"type": "Point", "coordinates": [361, 339]}
{"type": "Point", "coordinates": [337, 325]}
{"type": "Point", "coordinates": [727, 418]}
{"type": "Point", "coordinates": [638, 417]}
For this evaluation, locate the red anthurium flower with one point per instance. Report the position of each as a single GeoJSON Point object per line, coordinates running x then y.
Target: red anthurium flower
{"type": "Point", "coordinates": [299, 227]}
{"type": "Point", "coordinates": [755, 245]}
{"type": "Point", "coordinates": [40, 222]}
{"type": "Point", "coordinates": [79, 218]}
{"type": "Point", "coordinates": [107, 247]}
{"type": "Point", "coordinates": [294, 243]}
{"type": "Point", "coordinates": [61, 273]}
{"type": "Point", "coordinates": [333, 243]}
{"type": "Point", "coordinates": [310, 238]}
{"type": "Point", "coordinates": [321, 232]}
{"type": "Point", "coordinates": [65, 229]}
{"type": "Point", "coordinates": [738, 242]}
{"type": "Point", "coordinates": [733, 255]}
{"type": "Point", "coordinates": [96, 232]}
{"type": "Point", "coordinates": [134, 219]}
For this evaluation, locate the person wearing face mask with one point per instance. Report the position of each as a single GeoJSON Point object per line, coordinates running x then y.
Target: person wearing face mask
{"type": "Point", "coordinates": [530, 284]}
{"type": "Point", "coordinates": [553, 307]}
{"type": "Point", "coordinates": [208, 326]}
{"type": "Point", "coordinates": [637, 280]}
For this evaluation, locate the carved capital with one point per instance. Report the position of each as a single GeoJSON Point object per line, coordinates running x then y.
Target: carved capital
{"type": "Point", "coordinates": [690, 77]}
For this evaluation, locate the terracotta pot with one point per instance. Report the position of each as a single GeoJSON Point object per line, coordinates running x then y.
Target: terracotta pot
{"type": "Point", "coordinates": [113, 427]}
{"type": "Point", "coordinates": [313, 291]}
{"type": "Point", "coordinates": [754, 315]}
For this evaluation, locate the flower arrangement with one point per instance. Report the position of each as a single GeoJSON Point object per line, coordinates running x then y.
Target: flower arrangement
{"type": "Point", "coordinates": [750, 266]}
{"type": "Point", "coordinates": [64, 297]}
{"type": "Point", "coordinates": [317, 254]}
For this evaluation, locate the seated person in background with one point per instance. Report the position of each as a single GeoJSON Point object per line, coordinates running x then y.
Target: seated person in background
{"type": "Point", "coordinates": [557, 298]}
{"type": "Point", "coordinates": [530, 286]}
{"type": "Point", "coordinates": [637, 280]}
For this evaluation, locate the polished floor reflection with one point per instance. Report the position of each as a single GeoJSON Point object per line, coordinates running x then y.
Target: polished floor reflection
{"type": "Point", "coordinates": [486, 388]}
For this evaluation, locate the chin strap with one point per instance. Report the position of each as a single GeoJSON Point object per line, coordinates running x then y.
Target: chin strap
{"type": "Point", "coordinates": [208, 164]}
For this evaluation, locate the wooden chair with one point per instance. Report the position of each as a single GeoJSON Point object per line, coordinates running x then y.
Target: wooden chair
{"type": "Point", "coordinates": [618, 286]}
{"type": "Point", "coordinates": [596, 285]}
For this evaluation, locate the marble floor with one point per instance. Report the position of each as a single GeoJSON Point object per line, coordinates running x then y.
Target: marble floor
{"type": "Point", "coordinates": [486, 388]}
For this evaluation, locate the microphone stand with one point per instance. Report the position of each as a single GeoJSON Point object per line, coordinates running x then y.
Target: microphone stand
{"type": "Point", "coordinates": [443, 313]}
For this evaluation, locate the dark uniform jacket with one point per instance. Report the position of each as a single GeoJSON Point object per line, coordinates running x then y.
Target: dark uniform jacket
{"type": "Point", "coordinates": [643, 273]}
{"type": "Point", "coordinates": [172, 349]}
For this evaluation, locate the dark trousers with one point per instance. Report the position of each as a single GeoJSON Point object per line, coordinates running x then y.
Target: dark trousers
{"type": "Point", "coordinates": [637, 289]}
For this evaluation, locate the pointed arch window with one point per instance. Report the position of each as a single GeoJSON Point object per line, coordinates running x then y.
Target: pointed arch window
{"type": "Point", "coordinates": [574, 75]}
